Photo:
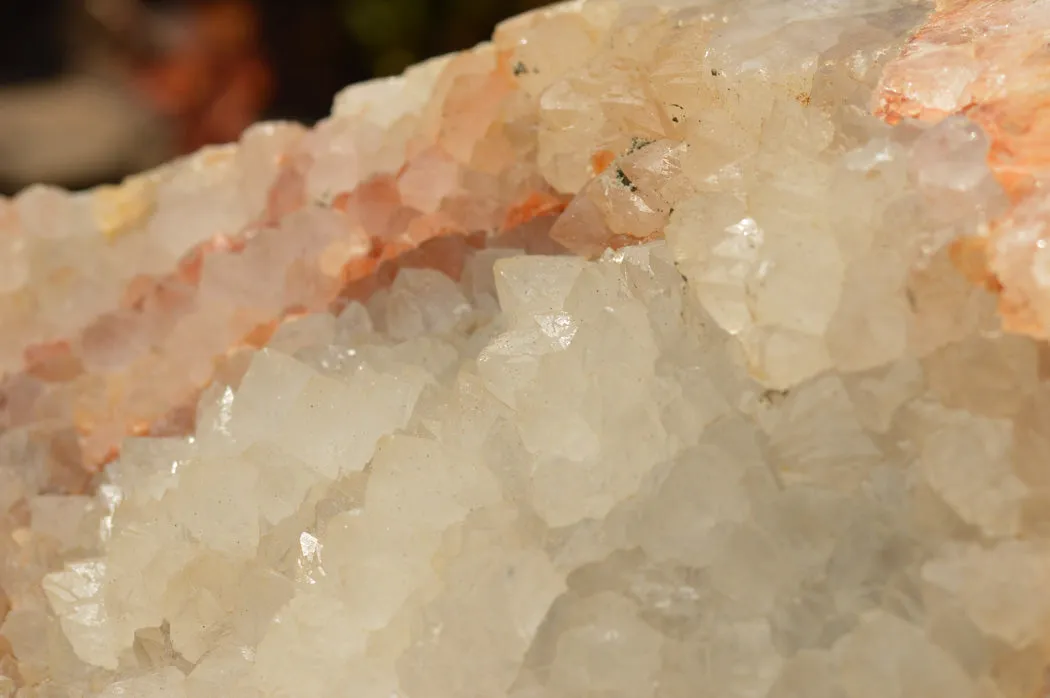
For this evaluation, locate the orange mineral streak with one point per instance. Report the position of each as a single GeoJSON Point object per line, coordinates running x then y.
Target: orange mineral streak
{"type": "Point", "coordinates": [536, 205]}
{"type": "Point", "coordinates": [988, 59]}
{"type": "Point", "coordinates": [970, 257]}
{"type": "Point", "coordinates": [52, 362]}
{"type": "Point", "coordinates": [261, 333]}
{"type": "Point", "coordinates": [601, 160]}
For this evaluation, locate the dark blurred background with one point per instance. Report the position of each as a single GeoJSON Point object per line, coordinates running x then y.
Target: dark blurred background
{"type": "Point", "coordinates": [93, 90]}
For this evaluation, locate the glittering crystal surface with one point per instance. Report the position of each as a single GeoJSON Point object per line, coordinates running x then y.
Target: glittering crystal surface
{"type": "Point", "coordinates": [663, 348]}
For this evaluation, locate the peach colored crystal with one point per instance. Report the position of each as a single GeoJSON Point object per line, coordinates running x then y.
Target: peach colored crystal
{"type": "Point", "coordinates": [303, 228]}
{"type": "Point", "coordinates": [988, 59]}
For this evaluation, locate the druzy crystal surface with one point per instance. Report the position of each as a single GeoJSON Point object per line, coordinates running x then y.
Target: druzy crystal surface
{"type": "Point", "coordinates": [665, 348]}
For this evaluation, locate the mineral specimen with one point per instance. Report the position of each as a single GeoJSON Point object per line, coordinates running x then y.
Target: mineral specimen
{"type": "Point", "coordinates": [765, 434]}
{"type": "Point", "coordinates": [997, 77]}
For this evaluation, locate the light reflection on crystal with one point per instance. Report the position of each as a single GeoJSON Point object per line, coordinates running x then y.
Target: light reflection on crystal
{"type": "Point", "coordinates": [788, 452]}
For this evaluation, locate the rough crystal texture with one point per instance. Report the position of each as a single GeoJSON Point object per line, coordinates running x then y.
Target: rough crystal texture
{"type": "Point", "coordinates": [117, 304]}
{"type": "Point", "coordinates": [781, 449]}
{"type": "Point", "coordinates": [997, 77]}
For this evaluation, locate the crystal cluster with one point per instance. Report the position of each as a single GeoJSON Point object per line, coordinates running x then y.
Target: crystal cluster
{"type": "Point", "coordinates": [989, 60]}
{"type": "Point", "coordinates": [762, 435]}
{"type": "Point", "coordinates": [118, 304]}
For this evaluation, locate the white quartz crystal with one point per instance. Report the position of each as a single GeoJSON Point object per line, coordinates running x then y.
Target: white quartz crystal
{"type": "Point", "coordinates": [760, 439]}
{"type": "Point", "coordinates": [634, 514]}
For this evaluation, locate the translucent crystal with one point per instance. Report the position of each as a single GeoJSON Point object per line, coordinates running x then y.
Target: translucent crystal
{"type": "Point", "coordinates": [629, 354]}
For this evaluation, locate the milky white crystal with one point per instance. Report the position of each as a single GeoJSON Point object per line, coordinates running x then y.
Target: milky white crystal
{"type": "Point", "coordinates": [725, 537]}
{"type": "Point", "coordinates": [784, 452]}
